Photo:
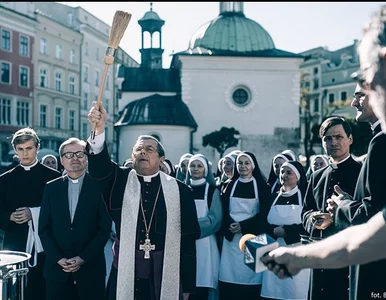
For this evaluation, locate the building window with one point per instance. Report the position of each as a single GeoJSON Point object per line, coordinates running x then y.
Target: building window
{"type": "Point", "coordinates": [97, 79]}
{"type": "Point", "coordinates": [5, 40]}
{"type": "Point", "coordinates": [43, 46]}
{"type": "Point", "coordinates": [72, 85]}
{"type": "Point", "coordinates": [85, 73]}
{"type": "Point", "coordinates": [241, 96]}
{"type": "Point", "coordinates": [316, 70]}
{"type": "Point", "coordinates": [72, 56]}
{"type": "Point", "coordinates": [85, 100]}
{"type": "Point", "coordinates": [58, 118]}
{"type": "Point", "coordinates": [59, 52]}
{"type": "Point", "coordinates": [43, 78]}
{"type": "Point", "coordinates": [72, 120]}
{"type": "Point", "coordinates": [5, 72]}
{"type": "Point", "coordinates": [23, 48]}
{"type": "Point", "coordinates": [22, 113]}
{"type": "Point", "coordinates": [5, 111]}
{"type": "Point", "coordinates": [343, 96]}
{"type": "Point", "coordinates": [316, 105]}
{"type": "Point", "coordinates": [331, 98]}
{"type": "Point", "coordinates": [97, 54]}
{"type": "Point", "coordinates": [84, 131]}
{"type": "Point", "coordinates": [23, 80]}
{"type": "Point", "coordinates": [316, 83]}
{"type": "Point", "coordinates": [86, 48]}
{"type": "Point", "coordinates": [70, 18]}
{"type": "Point", "coordinates": [43, 115]}
{"type": "Point", "coordinates": [58, 81]}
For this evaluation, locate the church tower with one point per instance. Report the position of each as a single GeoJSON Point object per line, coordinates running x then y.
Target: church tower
{"type": "Point", "coordinates": [151, 57]}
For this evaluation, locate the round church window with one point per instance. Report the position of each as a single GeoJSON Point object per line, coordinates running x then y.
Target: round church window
{"type": "Point", "coordinates": [241, 96]}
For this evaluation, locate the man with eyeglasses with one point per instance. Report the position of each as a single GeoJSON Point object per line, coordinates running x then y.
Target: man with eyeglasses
{"type": "Point", "coordinates": [74, 227]}
{"type": "Point", "coordinates": [369, 196]}
{"type": "Point", "coordinates": [364, 243]}
{"type": "Point", "coordinates": [21, 193]}
{"type": "Point", "coordinates": [155, 218]}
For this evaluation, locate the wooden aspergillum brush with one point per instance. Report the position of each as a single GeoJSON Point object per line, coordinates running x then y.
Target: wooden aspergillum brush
{"type": "Point", "coordinates": [118, 28]}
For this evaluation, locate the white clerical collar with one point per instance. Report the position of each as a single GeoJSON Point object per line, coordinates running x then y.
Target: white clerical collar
{"type": "Point", "coordinates": [373, 126]}
{"type": "Point", "coordinates": [76, 180]}
{"type": "Point", "coordinates": [246, 179]}
{"type": "Point", "coordinates": [147, 178]}
{"type": "Point", "coordinates": [197, 182]}
{"type": "Point", "coordinates": [289, 193]}
{"type": "Point", "coordinates": [335, 164]}
{"type": "Point", "coordinates": [28, 168]}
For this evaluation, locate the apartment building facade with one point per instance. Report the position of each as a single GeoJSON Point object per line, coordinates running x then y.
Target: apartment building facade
{"type": "Point", "coordinates": [17, 36]}
{"type": "Point", "coordinates": [95, 41]}
{"type": "Point", "coordinates": [51, 58]}
{"type": "Point", "coordinates": [57, 61]}
{"type": "Point", "coordinates": [326, 85]}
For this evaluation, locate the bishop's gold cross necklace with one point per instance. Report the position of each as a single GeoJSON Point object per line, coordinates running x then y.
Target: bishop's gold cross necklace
{"type": "Point", "coordinates": [147, 246]}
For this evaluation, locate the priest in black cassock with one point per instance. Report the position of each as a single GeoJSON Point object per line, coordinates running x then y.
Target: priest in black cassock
{"type": "Point", "coordinates": [155, 217]}
{"type": "Point", "coordinates": [343, 171]}
{"type": "Point", "coordinates": [21, 194]}
{"type": "Point", "coordinates": [369, 197]}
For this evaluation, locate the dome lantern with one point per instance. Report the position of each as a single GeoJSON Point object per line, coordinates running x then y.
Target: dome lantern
{"type": "Point", "coordinates": [151, 57]}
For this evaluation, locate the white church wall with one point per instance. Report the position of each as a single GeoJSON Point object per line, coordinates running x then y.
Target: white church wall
{"type": "Point", "coordinates": [175, 139]}
{"type": "Point", "coordinates": [132, 96]}
{"type": "Point", "coordinates": [207, 87]}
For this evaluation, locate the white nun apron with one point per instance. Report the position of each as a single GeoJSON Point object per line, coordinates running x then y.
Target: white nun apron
{"type": "Point", "coordinates": [208, 256]}
{"type": "Point", "coordinates": [295, 288]}
{"type": "Point", "coordinates": [232, 266]}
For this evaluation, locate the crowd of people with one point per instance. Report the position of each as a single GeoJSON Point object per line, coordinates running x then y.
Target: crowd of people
{"type": "Point", "coordinates": [177, 227]}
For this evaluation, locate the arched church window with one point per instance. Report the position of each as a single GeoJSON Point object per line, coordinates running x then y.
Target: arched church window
{"type": "Point", "coordinates": [241, 96]}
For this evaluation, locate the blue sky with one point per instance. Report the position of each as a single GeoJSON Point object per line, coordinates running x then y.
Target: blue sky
{"type": "Point", "coordinates": [293, 26]}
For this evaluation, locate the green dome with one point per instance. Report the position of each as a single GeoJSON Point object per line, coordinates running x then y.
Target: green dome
{"type": "Point", "coordinates": [151, 15]}
{"type": "Point", "coordinates": [232, 32]}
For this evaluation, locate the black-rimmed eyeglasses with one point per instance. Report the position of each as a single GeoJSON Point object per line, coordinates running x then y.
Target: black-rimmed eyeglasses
{"type": "Point", "coordinates": [359, 96]}
{"type": "Point", "coordinates": [69, 155]}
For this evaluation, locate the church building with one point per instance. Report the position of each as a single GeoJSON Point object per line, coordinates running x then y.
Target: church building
{"type": "Point", "coordinates": [231, 75]}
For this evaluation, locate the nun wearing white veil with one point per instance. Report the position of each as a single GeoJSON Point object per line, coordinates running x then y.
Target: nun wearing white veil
{"type": "Point", "coordinates": [209, 212]}
{"type": "Point", "coordinates": [246, 201]}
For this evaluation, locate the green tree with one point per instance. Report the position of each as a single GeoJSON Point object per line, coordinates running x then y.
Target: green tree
{"type": "Point", "coordinates": [221, 140]}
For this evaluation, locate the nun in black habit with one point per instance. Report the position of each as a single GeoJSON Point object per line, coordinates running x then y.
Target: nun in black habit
{"type": "Point", "coordinates": [246, 201]}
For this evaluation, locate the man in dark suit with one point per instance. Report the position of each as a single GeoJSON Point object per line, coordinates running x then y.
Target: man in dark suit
{"type": "Point", "coordinates": [369, 197]}
{"type": "Point", "coordinates": [74, 227]}
{"type": "Point", "coordinates": [343, 170]}
{"type": "Point", "coordinates": [155, 217]}
{"type": "Point", "coordinates": [21, 193]}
